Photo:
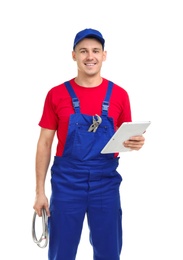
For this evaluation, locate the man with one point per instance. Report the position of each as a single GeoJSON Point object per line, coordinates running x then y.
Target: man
{"type": "Point", "coordinates": [84, 112]}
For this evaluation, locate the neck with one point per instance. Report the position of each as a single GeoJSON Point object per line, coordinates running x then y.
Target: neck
{"type": "Point", "coordinates": [88, 82]}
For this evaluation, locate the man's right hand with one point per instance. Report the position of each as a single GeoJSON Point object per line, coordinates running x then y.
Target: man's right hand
{"type": "Point", "coordinates": [41, 202]}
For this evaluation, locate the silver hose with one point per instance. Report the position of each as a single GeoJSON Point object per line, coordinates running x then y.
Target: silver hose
{"type": "Point", "coordinates": [43, 241]}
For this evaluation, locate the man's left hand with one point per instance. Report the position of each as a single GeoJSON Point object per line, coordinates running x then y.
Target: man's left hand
{"type": "Point", "coordinates": [135, 142]}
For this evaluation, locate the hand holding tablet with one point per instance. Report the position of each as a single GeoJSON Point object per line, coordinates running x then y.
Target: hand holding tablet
{"type": "Point", "coordinates": [124, 132]}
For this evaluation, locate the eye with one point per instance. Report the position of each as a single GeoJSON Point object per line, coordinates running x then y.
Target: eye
{"type": "Point", "coordinates": [83, 50]}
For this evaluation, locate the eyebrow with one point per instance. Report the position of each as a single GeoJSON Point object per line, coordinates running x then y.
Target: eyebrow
{"type": "Point", "coordinates": [92, 49]}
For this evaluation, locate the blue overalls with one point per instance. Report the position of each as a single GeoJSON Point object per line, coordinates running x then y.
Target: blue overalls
{"type": "Point", "coordinates": [84, 181]}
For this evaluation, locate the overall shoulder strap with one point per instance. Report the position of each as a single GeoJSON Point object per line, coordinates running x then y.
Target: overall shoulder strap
{"type": "Point", "coordinates": [75, 100]}
{"type": "Point", "coordinates": [105, 104]}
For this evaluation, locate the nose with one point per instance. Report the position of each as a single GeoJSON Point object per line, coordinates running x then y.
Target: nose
{"type": "Point", "coordinates": [90, 55]}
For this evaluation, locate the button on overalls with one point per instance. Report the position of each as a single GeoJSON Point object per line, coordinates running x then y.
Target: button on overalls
{"type": "Point", "coordinates": [85, 182]}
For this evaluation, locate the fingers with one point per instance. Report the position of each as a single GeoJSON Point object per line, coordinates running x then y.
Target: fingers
{"type": "Point", "coordinates": [47, 211]}
{"type": "Point", "coordinates": [39, 211]}
{"type": "Point", "coordinates": [40, 203]}
{"type": "Point", "coordinates": [135, 142]}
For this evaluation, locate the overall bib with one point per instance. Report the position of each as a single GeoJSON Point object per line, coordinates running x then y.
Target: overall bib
{"type": "Point", "coordinates": [86, 182]}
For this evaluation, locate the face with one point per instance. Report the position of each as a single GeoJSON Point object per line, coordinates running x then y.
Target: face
{"type": "Point", "coordinates": [89, 56]}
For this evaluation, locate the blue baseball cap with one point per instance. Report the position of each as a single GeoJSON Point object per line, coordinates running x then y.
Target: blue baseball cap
{"type": "Point", "coordinates": [88, 33]}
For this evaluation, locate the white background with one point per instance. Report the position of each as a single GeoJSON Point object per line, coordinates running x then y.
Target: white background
{"type": "Point", "coordinates": [144, 41]}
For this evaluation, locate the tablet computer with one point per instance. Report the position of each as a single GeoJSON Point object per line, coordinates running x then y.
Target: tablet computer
{"type": "Point", "coordinates": [123, 133]}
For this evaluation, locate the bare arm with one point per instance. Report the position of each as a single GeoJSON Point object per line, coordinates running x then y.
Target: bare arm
{"type": "Point", "coordinates": [43, 155]}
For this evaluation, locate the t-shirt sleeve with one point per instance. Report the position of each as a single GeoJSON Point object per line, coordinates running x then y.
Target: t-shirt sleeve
{"type": "Point", "coordinates": [125, 115]}
{"type": "Point", "coordinates": [49, 118]}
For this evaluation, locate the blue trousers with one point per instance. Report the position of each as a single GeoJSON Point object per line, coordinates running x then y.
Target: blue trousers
{"type": "Point", "coordinates": [79, 190]}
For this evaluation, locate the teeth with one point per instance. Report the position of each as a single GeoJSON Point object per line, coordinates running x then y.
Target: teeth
{"type": "Point", "coordinates": [90, 64]}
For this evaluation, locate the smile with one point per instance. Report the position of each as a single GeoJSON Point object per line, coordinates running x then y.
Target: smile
{"type": "Point", "coordinates": [90, 64]}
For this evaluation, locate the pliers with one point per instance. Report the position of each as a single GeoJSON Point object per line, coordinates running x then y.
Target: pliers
{"type": "Point", "coordinates": [97, 120]}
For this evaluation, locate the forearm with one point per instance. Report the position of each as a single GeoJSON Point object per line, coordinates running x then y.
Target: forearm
{"type": "Point", "coordinates": [42, 163]}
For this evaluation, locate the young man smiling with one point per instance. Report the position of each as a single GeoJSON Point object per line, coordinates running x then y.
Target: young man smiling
{"type": "Point", "coordinates": [84, 112]}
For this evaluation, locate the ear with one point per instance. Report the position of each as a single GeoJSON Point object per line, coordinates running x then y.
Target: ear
{"type": "Point", "coordinates": [104, 55]}
{"type": "Point", "coordinates": [74, 55]}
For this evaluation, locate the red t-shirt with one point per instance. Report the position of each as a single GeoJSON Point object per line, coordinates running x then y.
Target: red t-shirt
{"type": "Point", "coordinates": [58, 107]}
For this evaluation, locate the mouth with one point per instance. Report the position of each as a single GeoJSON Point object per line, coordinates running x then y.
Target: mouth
{"type": "Point", "coordinates": [90, 64]}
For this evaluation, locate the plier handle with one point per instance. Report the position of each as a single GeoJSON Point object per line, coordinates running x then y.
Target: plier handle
{"type": "Point", "coordinates": [97, 120]}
